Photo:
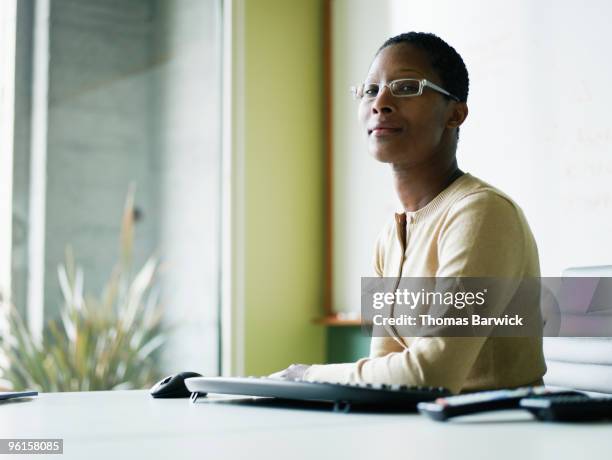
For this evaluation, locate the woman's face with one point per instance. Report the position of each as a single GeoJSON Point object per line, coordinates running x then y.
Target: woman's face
{"type": "Point", "coordinates": [406, 130]}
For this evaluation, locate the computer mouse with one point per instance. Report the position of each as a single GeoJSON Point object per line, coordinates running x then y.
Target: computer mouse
{"type": "Point", "coordinates": [173, 386]}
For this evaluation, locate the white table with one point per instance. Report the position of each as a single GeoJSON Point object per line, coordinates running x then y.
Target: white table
{"type": "Point", "coordinates": [130, 424]}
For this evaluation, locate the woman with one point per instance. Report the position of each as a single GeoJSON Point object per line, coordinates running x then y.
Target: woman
{"type": "Point", "coordinates": [454, 225]}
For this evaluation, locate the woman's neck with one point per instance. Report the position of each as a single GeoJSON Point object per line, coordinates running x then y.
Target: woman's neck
{"type": "Point", "coordinates": [416, 186]}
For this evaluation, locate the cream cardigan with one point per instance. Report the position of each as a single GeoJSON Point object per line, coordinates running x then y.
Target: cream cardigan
{"type": "Point", "coordinates": [469, 229]}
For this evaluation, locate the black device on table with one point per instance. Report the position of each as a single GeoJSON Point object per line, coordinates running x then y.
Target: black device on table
{"type": "Point", "coordinates": [4, 395]}
{"type": "Point", "coordinates": [569, 408]}
{"type": "Point", "coordinates": [173, 386]}
{"type": "Point", "coordinates": [545, 404]}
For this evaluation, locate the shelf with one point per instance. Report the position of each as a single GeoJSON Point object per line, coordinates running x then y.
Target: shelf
{"type": "Point", "coordinates": [335, 320]}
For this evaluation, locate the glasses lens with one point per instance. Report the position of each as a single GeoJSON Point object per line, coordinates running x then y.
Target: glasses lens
{"type": "Point", "coordinates": [370, 90]}
{"type": "Point", "coordinates": [406, 87]}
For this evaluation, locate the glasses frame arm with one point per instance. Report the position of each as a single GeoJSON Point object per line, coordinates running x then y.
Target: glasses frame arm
{"type": "Point", "coordinates": [425, 82]}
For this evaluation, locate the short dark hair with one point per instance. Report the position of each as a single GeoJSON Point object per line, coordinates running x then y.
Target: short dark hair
{"type": "Point", "coordinates": [443, 58]}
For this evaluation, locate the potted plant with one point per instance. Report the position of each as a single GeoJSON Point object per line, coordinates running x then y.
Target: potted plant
{"type": "Point", "coordinates": [99, 343]}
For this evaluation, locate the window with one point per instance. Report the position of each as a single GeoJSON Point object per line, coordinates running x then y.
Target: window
{"type": "Point", "coordinates": [108, 94]}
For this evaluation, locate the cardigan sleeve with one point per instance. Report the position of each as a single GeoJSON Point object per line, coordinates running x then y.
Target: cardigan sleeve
{"type": "Point", "coordinates": [482, 235]}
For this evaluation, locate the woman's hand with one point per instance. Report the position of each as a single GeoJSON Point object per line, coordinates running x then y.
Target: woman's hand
{"type": "Point", "coordinates": [293, 372]}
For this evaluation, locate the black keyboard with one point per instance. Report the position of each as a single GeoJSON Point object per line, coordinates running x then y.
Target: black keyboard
{"type": "Point", "coordinates": [382, 396]}
{"type": "Point", "coordinates": [574, 408]}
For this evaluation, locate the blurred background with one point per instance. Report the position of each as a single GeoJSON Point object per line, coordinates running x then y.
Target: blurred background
{"type": "Point", "coordinates": [184, 185]}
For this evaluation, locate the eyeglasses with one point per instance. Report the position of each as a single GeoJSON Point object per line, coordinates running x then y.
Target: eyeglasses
{"type": "Point", "coordinates": [404, 87]}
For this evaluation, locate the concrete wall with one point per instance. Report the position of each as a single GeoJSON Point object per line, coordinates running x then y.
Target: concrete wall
{"type": "Point", "coordinates": [98, 135]}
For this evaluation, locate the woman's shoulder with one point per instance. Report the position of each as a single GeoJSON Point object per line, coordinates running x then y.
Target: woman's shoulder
{"type": "Point", "coordinates": [476, 193]}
